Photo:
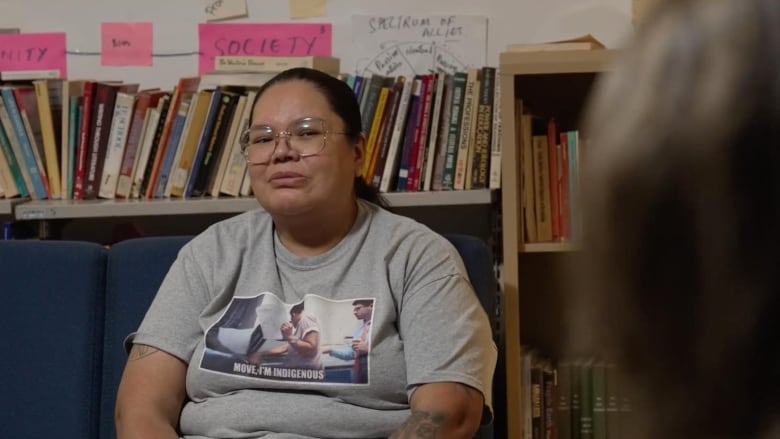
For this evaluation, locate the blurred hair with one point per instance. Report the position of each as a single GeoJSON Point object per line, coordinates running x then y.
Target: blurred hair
{"type": "Point", "coordinates": [343, 102]}
{"type": "Point", "coordinates": [678, 282]}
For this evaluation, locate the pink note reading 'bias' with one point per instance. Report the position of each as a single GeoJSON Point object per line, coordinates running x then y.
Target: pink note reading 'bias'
{"type": "Point", "coordinates": [33, 51]}
{"type": "Point", "coordinates": [126, 44]}
{"type": "Point", "coordinates": [261, 39]}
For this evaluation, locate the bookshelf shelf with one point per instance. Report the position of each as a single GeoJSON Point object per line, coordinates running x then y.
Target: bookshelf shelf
{"type": "Point", "coordinates": [546, 247]}
{"type": "Point", "coordinates": [554, 84]}
{"type": "Point", "coordinates": [6, 207]}
{"type": "Point", "coordinates": [68, 209]}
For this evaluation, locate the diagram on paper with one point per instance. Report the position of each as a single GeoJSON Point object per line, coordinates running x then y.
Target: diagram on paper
{"type": "Point", "coordinates": [410, 45]}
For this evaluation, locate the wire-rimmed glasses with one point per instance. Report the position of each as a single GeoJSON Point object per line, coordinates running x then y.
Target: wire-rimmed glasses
{"type": "Point", "coordinates": [306, 136]}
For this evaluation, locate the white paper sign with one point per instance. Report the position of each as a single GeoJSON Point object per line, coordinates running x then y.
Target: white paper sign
{"type": "Point", "coordinates": [223, 9]}
{"type": "Point", "coordinates": [392, 45]}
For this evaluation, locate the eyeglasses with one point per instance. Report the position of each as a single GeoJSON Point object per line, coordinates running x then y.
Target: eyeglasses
{"type": "Point", "coordinates": [305, 136]}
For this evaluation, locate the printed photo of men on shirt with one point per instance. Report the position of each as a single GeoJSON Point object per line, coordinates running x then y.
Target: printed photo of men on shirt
{"type": "Point", "coordinates": [264, 337]}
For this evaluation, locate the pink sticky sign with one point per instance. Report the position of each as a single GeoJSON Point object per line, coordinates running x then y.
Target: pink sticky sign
{"type": "Point", "coordinates": [33, 51]}
{"type": "Point", "coordinates": [126, 43]}
{"type": "Point", "coordinates": [261, 39]}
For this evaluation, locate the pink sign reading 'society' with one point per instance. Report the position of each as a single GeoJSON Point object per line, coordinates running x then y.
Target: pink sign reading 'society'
{"type": "Point", "coordinates": [33, 51]}
{"type": "Point", "coordinates": [261, 39]}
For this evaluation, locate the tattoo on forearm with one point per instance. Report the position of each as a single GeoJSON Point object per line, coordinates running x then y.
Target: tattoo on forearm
{"type": "Point", "coordinates": [140, 351]}
{"type": "Point", "coordinates": [420, 425]}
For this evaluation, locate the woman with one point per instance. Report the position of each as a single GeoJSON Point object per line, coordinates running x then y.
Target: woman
{"type": "Point", "coordinates": [321, 239]}
{"type": "Point", "coordinates": [682, 288]}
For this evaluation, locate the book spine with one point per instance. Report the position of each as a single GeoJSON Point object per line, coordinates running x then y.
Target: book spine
{"type": "Point", "coordinates": [13, 164]}
{"type": "Point", "coordinates": [227, 148]}
{"type": "Point", "coordinates": [461, 160]}
{"type": "Point", "coordinates": [105, 101]}
{"type": "Point", "coordinates": [421, 135]}
{"type": "Point", "coordinates": [390, 169]}
{"type": "Point", "coordinates": [441, 147]}
{"type": "Point", "coordinates": [48, 137]}
{"type": "Point", "coordinates": [134, 137]}
{"type": "Point", "coordinates": [494, 179]}
{"type": "Point", "coordinates": [84, 140]}
{"type": "Point", "coordinates": [146, 180]}
{"type": "Point", "coordinates": [433, 136]}
{"type": "Point", "coordinates": [555, 197]}
{"type": "Point", "coordinates": [484, 129]}
{"type": "Point", "coordinates": [454, 133]}
{"type": "Point", "coordinates": [563, 407]}
{"type": "Point", "coordinates": [123, 112]}
{"type": "Point", "coordinates": [216, 143]}
{"type": "Point", "coordinates": [236, 168]}
{"type": "Point", "coordinates": [171, 149]}
{"type": "Point", "coordinates": [415, 103]}
{"type": "Point", "coordinates": [16, 147]}
{"type": "Point", "coordinates": [379, 159]}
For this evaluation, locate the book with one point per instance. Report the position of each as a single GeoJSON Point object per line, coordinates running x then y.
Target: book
{"type": "Point", "coordinates": [584, 42]}
{"type": "Point", "coordinates": [441, 147]}
{"type": "Point", "coordinates": [145, 101]}
{"type": "Point", "coordinates": [433, 136]}
{"type": "Point", "coordinates": [88, 96]}
{"type": "Point", "coordinates": [204, 167]}
{"type": "Point", "coordinates": [185, 88]}
{"type": "Point", "coordinates": [13, 164]}
{"type": "Point", "coordinates": [379, 159]}
{"type": "Point", "coordinates": [236, 167]}
{"type": "Point", "coordinates": [276, 64]}
{"type": "Point", "coordinates": [147, 183]}
{"type": "Point", "coordinates": [563, 398]}
{"type": "Point", "coordinates": [23, 140]}
{"type": "Point", "coordinates": [467, 128]}
{"type": "Point", "coordinates": [524, 140]}
{"type": "Point", "coordinates": [483, 129]}
{"type": "Point", "coordinates": [48, 95]}
{"type": "Point", "coordinates": [218, 78]}
{"type": "Point", "coordinates": [541, 173]}
{"type": "Point", "coordinates": [454, 131]}
{"type": "Point", "coordinates": [8, 188]}
{"type": "Point", "coordinates": [153, 127]}
{"type": "Point", "coordinates": [384, 177]}
{"type": "Point", "coordinates": [16, 147]}
{"type": "Point", "coordinates": [494, 179]}
{"type": "Point", "coordinates": [232, 139]}
{"type": "Point", "coordinates": [205, 105]}
{"type": "Point", "coordinates": [172, 150]}
{"type": "Point", "coordinates": [27, 104]}
{"type": "Point", "coordinates": [117, 139]}
{"type": "Point", "coordinates": [71, 92]}
{"type": "Point", "coordinates": [420, 134]}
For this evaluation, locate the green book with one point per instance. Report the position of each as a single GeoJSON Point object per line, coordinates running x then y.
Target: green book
{"type": "Point", "coordinates": [598, 375]}
{"type": "Point", "coordinates": [613, 402]}
{"type": "Point", "coordinates": [586, 400]}
{"type": "Point", "coordinates": [563, 406]}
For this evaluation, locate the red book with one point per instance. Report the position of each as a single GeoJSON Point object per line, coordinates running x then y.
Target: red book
{"type": "Point", "coordinates": [84, 140]}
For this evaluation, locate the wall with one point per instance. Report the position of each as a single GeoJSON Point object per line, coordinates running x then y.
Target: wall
{"type": "Point", "coordinates": [175, 26]}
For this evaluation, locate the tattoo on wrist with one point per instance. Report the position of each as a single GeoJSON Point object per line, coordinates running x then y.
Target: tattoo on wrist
{"type": "Point", "coordinates": [140, 351]}
{"type": "Point", "coordinates": [420, 424]}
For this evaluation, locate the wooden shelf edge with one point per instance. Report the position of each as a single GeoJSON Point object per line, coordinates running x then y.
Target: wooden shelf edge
{"type": "Point", "coordinates": [555, 62]}
{"type": "Point", "coordinates": [69, 209]}
{"type": "Point", "coordinates": [549, 247]}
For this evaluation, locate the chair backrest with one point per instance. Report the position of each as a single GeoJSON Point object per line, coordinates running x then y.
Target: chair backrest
{"type": "Point", "coordinates": [52, 326]}
{"type": "Point", "coordinates": [479, 264]}
{"type": "Point", "coordinates": [136, 268]}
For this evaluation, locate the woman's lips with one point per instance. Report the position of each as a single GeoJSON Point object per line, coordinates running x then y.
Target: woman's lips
{"type": "Point", "coordinates": [286, 179]}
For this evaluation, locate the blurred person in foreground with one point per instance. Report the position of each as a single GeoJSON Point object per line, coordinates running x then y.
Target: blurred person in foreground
{"type": "Point", "coordinates": [678, 281]}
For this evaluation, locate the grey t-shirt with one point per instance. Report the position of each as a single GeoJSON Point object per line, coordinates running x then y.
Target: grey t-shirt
{"type": "Point", "coordinates": [232, 286]}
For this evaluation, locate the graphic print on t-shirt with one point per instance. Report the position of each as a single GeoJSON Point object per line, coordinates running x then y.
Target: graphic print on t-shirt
{"type": "Point", "coordinates": [314, 340]}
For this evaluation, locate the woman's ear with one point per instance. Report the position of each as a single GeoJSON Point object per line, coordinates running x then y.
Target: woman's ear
{"type": "Point", "coordinates": [359, 151]}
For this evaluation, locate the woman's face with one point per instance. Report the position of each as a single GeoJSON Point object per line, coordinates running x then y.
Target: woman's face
{"type": "Point", "coordinates": [289, 184]}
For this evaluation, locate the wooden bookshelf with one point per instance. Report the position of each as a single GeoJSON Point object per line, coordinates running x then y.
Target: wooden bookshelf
{"type": "Point", "coordinates": [68, 209]}
{"type": "Point", "coordinates": [551, 83]}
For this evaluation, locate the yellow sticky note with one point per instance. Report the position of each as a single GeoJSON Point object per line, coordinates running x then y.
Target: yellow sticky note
{"type": "Point", "coordinates": [307, 8]}
{"type": "Point", "coordinates": [223, 9]}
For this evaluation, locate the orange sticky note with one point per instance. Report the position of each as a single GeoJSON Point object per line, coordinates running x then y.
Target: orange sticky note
{"type": "Point", "coordinates": [306, 8]}
{"type": "Point", "coordinates": [126, 43]}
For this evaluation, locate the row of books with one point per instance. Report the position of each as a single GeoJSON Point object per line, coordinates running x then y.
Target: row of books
{"type": "Point", "coordinates": [84, 139]}
{"type": "Point", "coordinates": [550, 169]}
{"type": "Point", "coordinates": [578, 399]}
{"type": "Point", "coordinates": [435, 131]}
